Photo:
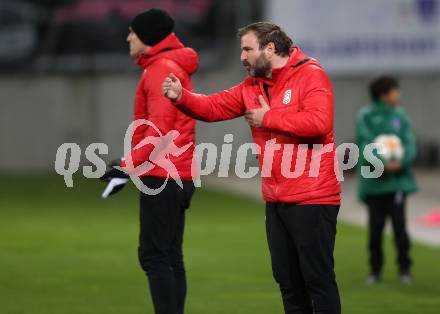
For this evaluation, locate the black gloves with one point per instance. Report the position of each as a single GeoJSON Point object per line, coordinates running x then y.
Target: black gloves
{"type": "Point", "coordinates": [116, 179]}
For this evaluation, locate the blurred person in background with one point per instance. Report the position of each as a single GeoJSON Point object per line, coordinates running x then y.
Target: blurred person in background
{"type": "Point", "coordinates": [386, 123]}
{"type": "Point", "coordinates": [287, 97]}
{"type": "Point", "coordinates": [158, 52]}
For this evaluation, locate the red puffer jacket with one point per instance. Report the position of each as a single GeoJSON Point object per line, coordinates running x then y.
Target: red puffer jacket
{"type": "Point", "coordinates": [300, 97]}
{"type": "Point", "coordinates": [167, 56]}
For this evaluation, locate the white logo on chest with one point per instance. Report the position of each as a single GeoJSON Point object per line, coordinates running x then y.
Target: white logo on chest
{"type": "Point", "coordinates": [287, 96]}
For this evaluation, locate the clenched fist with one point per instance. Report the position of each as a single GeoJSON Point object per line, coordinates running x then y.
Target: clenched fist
{"type": "Point", "coordinates": [254, 117]}
{"type": "Point", "coordinates": [172, 88]}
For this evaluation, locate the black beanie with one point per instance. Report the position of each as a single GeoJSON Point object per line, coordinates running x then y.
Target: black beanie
{"type": "Point", "coordinates": [152, 26]}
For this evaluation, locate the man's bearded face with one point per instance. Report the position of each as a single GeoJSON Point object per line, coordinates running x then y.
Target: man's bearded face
{"type": "Point", "coordinates": [261, 67]}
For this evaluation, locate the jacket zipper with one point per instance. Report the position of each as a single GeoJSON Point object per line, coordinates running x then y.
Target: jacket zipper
{"type": "Point", "coordinates": [266, 92]}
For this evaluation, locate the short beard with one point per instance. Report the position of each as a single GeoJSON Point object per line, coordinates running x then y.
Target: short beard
{"type": "Point", "coordinates": [262, 67]}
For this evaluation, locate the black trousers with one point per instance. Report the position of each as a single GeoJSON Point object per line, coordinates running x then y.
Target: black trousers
{"type": "Point", "coordinates": [301, 241]}
{"type": "Point", "coordinates": [379, 208]}
{"type": "Point", "coordinates": [162, 222]}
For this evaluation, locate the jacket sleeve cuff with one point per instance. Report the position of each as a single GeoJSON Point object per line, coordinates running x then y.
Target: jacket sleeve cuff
{"type": "Point", "coordinates": [125, 166]}
{"type": "Point", "coordinates": [183, 98]}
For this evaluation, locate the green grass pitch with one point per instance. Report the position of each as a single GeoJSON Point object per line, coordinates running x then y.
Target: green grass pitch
{"type": "Point", "coordinates": [69, 251]}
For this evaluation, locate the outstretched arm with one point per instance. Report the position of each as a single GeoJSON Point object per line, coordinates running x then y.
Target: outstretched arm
{"type": "Point", "coordinates": [220, 106]}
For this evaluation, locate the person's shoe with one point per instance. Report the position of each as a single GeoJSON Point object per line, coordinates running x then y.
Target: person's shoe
{"type": "Point", "coordinates": [372, 279]}
{"type": "Point", "coordinates": [406, 278]}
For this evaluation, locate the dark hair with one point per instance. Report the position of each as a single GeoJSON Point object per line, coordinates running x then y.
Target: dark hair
{"type": "Point", "coordinates": [382, 86]}
{"type": "Point", "coordinates": [266, 33]}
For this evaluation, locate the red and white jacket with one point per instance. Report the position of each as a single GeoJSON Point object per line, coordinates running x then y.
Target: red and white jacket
{"type": "Point", "coordinates": [168, 56]}
{"type": "Point", "coordinates": [300, 97]}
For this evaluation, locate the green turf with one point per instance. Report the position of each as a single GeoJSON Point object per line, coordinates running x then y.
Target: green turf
{"type": "Point", "coordinates": [68, 251]}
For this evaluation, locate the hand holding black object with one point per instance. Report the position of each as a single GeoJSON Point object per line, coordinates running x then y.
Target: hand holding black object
{"type": "Point", "coordinates": [116, 178]}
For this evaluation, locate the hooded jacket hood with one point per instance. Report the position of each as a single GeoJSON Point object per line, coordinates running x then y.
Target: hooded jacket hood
{"type": "Point", "coordinates": [171, 48]}
{"type": "Point", "coordinates": [296, 61]}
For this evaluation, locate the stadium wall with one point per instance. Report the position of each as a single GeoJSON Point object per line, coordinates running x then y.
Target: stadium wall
{"type": "Point", "coordinates": [39, 113]}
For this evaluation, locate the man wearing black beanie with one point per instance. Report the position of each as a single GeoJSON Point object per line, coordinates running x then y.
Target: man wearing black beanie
{"type": "Point", "coordinates": [158, 52]}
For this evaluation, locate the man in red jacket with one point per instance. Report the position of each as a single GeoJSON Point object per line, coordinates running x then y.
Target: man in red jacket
{"type": "Point", "coordinates": [162, 216]}
{"type": "Point", "coordinates": [286, 99]}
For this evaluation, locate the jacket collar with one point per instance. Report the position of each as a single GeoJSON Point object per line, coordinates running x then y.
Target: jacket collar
{"type": "Point", "coordinates": [296, 60]}
{"type": "Point", "coordinates": [383, 105]}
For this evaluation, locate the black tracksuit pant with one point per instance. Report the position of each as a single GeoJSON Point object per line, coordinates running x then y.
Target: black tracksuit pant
{"type": "Point", "coordinates": [301, 241]}
{"type": "Point", "coordinates": [379, 208]}
{"type": "Point", "coordinates": [162, 221]}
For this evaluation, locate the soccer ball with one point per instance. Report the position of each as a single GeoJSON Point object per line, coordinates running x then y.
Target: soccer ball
{"type": "Point", "coordinates": [392, 147]}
